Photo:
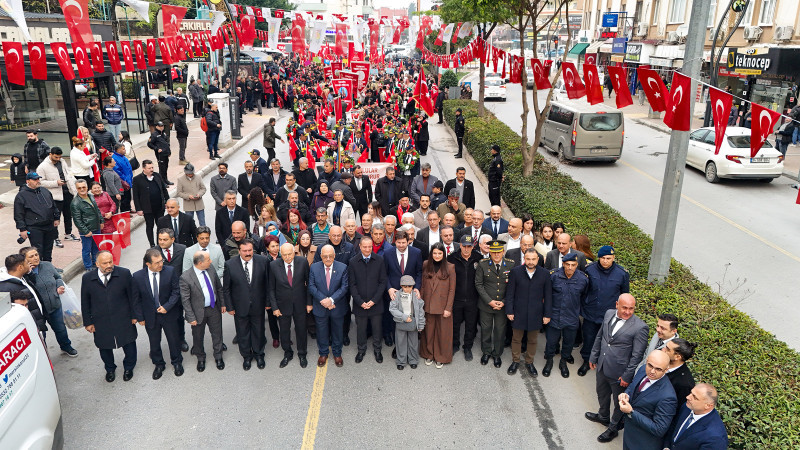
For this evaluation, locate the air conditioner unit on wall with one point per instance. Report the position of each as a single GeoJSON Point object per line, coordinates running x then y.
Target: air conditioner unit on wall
{"type": "Point", "coordinates": [752, 33]}
{"type": "Point", "coordinates": [682, 31]}
{"type": "Point", "coordinates": [641, 29]}
{"type": "Point", "coordinates": [784, 33]}
{"type": "Point", "coordinates": [672, 37]}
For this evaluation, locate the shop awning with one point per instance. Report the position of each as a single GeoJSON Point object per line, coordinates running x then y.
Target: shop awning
{"type": "Point", "coordinates": [595, 46]}
{"type": "Point", "coordinates": [578, 50]}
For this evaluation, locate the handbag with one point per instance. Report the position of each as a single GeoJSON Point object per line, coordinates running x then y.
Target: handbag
{"type": "Point", "coordinates": [134, 165]}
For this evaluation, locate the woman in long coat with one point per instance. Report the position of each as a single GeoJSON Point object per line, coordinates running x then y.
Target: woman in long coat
{"type": "Point", "coordinates": [438, 290]}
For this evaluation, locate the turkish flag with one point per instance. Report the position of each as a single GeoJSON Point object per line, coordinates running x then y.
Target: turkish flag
{"type": "Point", "coordinates": [278, 14]}
{"type": "Point", "coordinates": [516, 69]}
{"type": "Point", "coordinates": [151, 52]}
{"type": "Point", "coordinates": [59, 49]}
{"type": "Point", "coordinates": [421, 39]}
{"type": "Point", "coordinates": [138, 46]}
{"type": "Point", "coordinates": [678, 115]}
{"type": "Point", "coordinates": [572, 82]}
{"type": "Point", "coordinates": [299, 34]}
{"type": "Point", "coordinates": [619, 80]}
{"type": "Point", "coordinates": [15, 67]}
{"type": "Point", "coordinates": [440, 37]}
{"type": "Point", "coordinates": [172, 46]}
{"type": "Point", "coordinates": [113, 56]}
{"type": "Point", "coordinates": [123, 223]}
{"type": "Point", "coordinates": [127, 56]}
{"type": "Point", "coordinates": [374, 39]}
{"type": "Point", "coordinates": [216, 43]}
{"type": "Point", "coordinates": [172, 16]}
{"type": "Point", "coordinates": [540, 77]}
{"type": "Point", "coordinates": [38, 60]}
{"type": "Point", "coordinates": [166, 58]}
{"type": "Point", "coordinates": [248, 28]}
{"type": "Point", "coordinates": [97, 58]}
{"type": "Point", "coordinates": [762, 124]}
{"type": "Point", "coordinates": [721, 105]}
{"type": "Point", "coordinates": [456, 31]}
{"type": "Point", "coordinates": [337, 107]}
{"type": "Point", "coordinates": [594, 90]}
{"type": "Point", "coordinates": [422, 95]}
{"type": "Point", "coordinates": [654, 88]}
{"type": "Point", "coordinates": [341, 38]}
{"type": "Point", "coordinates": [82, 60]}
{"type": "Point", "coordinates": [110, 242]}
{"type": "Point", "coordinates": [76, 14]}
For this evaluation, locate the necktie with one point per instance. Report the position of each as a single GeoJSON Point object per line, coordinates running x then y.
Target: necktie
{"type": "Point", "coordinates": [247, 272]}
{"type": "Point", "coordinates": [155, 290]}
{"type": "Point", "coordinates": [230, 215]}
{"type": "Point", "coordinates": [614, 323]}
{"type": "Point", "coordinates": [659, 344]}
{"type": "Point", "coordinates": [210, 290]}
{"type": "Point", "coordinates": [175, 226]}
{"type": "Point", "coordinates": [169, 255]}
{"type": "Point", "coordinates": [105, 280]}
{"type": "Point", "coordinates": [402, 263]}
{"type": "Point", "coordinates": [448, 250]}
{"type": "Point", "coordinates": [643, 384]}
{"type": "Point", "coordinates": [685, 425]}
{"type": "Point", "coordinates": [475, 238]}
{"type": "Point", "coordinates": [495, 228]}
{"type": "Point", "coordinates": [497, 267]}
{"type": "Point", "coordinates": [289, 274]}
{"type": "Point", "coordinates": [328, 277]}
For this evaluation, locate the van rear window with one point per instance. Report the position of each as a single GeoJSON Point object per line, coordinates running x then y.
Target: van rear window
{"type": "Point", "coordinates": [600, 122]}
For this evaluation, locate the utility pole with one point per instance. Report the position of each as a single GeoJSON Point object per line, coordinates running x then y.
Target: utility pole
{"type": "Point", "coordinates": [664, 237]}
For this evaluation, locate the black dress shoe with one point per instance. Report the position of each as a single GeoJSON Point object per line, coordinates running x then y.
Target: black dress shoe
{"type": "Point", "coordinates": [583, 369]}
{"type": "Point", "coordinates": [346, 341]}
{"type": "Point", "coordinates": [562, 365]}
{"type": "Point", "coordinates": [184, 346]}
{"type": "Point", "coordinates": [246, 364]}
{"type": "Point", "coordinates": [456, 348]}
{"type": "Point", "coordinates": [127, 375]}
{"type": "Point", "coordinates": [594, 417]}
{"type": "Point", "coordinates": [458, 156]}
{"type": "Point", "coordinates": [157, 372]}
{"type": "Point", "coordinates": [394, 353]}
{"type": "Point", "coordinates": [220, 364]}
{"type": "Point", "coordinates": [378, 357]}
{"type": "Point", "coordinates": [178, 369]}
{"type": "Point", "coordinates": [389, 340]}
{"type": "Point", "coordinates": [359, 357]}
{"type": "Point", "coordinates": [224, 347]}
{"type": "Point", "coordinates": [111, 376]}
{"type": "Point", "coordinates": [548, 366]}
{"type": "Point", "coordinates": [467, 354]}
{"type": "Point", "coordinates": [201, 366]}
{"type": "Point", "coordinates": [512, 369]}
{"type": "Point", "coordinates": [168, 183]}
{"type": "Point", "coordinates": [413, 366]}
{"type": "Point", "coordinates": [570, 360]}
{"type": "Point", "coordinates": [608, 435]}
{"type": "Point", "coordinates": [260, 363]}
{"type": "Point", "coordinates": [507, 343]}
{"type": "Point", "coordinates": [235, 340]}
{"type": "Point", "coordinates": [498, 362]}
{"type": "Point", "coordinates": [400, 367]}
{"type": "Point", "coordinates": [485, 359]}
{"type": "Point", "coordinates": [312, 335]}
{"type": "Point", "coordinates": [286, 358]}
{"type": "Point", "coordinates": [532, 370]}
{"type": "Point", "coordinates": [303, 361]}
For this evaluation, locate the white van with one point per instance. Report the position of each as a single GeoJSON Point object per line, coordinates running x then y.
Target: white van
{"type": "Point", "coordinates": [583, 132]}
{"type": "Point", "coordinates": [30, 412]}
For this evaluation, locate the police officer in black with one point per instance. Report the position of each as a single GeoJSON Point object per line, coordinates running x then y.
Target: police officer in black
{"type": "Point", "coordinates": [496, 168]}
{"type": "Point", "coordinates": [159, 142]}
{"type": "Point", "coordinates": [465, 305]}
{"type": "Point", "coordinates": [458, 128]}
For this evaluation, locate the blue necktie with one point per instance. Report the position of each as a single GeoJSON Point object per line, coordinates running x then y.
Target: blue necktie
{"type": "Point", "coordinates": [210, 289]}
{"type": "Point", "coordinates": [685, 426]}
{"type": "Point", "coordinates": [230, 215]}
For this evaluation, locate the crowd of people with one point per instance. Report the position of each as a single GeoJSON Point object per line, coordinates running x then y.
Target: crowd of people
{"type": "Point", "coordinates": [412, 259]}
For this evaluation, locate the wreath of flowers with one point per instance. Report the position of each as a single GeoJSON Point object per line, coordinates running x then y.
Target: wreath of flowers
{"type": "Point", "coordinates": [401, 160]}
{"type": "Point", "coordinates": [291, 128]}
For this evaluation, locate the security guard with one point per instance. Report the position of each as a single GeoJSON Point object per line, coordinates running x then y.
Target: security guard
{"type": "Point", "coordinates": [570, 287]}
{"type": "Point", "coordinates": [459, 130]}
{"type": "Point", "coordinates": [496, 169]}
{"type": "Point", "coordinates": [159, 143]}
{"type": "Point", "coordinates": [491, 279]}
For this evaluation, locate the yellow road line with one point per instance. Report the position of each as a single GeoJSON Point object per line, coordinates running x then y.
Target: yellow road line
{"type": "Point", "coordinates": [312, 419]}
{"type": "Point", "coordinates": [719, 216]}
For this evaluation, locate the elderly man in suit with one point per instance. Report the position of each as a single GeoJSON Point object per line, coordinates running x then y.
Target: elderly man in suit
{"type": "Point", "coordinates": [477, 229]}
{"type": "Point", "coordinates": [156, 296]}
{"type": "Point", "coordinates": [290, 301]}
{"type": "Point", "coordinates": [518, 254]}
{"type": "Point", "coordinates": [555, 256]}
{"type": "Point", "coordinates": [203, 304]}
{"type": "Point", "coordinates": [244, 284]}
{"type": "Point", "coordinates": [204, 244]}
{"type": "Point", "coordinates": [248, 180]}
{"type": "Point", "coordinates": [402, 259]}
{"type": "Point", "coordinates": [649, 404]}
{"type": "Point", "coordinates": [698, 424]}
{"type": "Point", "coordinates": [666, 330]}
{"type": "Point", "coordinates": [228, 215]}
{"type": "Point", "coordinates": [173, 254]}
{"type": "Point", "coordinates": [617, 350]}
{"type": "Point", "coordinates": [422, 184]}
{"type": "Point", "coordinates": [529, 306]}
{"type": "Point", "coordinates": [367, 276]}
{"type": "Point", "coordinates": [181, 224]}
{"type": "Point", "coordinates": [328, 287]}
{"type": "Point", "coordinates": [107, 304]}
{"type": "Point", "coordinates": [495, 222]}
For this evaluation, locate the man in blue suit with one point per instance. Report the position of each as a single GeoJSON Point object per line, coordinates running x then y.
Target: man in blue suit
{"type": "Point", "coordinates": [156, 294]}
{"type": "Point", "coordinates": [411, 260]}
{"type": "Point", "coordinates": [698, 424]}
{"type": "Point", "coordinates": [649, 403]}
{"type": "Point", "coordinates": [495, 222]}
{"type": "Point", "coordinates": [328, 287]}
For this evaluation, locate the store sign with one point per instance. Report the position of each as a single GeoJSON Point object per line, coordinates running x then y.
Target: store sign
{"type": "Point", "coordinates": [619, 45]}
{"type": "Point", "coordinates": [633, 53]}
{"type": "Point", "coordinates": [610, 20]}
{"type": "Point", "coordinates": [753, 61]}
{"type": "Point", "coordinates": [608, 34]}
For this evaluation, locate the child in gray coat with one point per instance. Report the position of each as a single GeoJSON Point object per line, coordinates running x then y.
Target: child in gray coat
{"type": "Point", "coordinates": [407, 310]}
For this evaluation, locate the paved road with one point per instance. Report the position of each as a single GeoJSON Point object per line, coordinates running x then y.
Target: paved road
{"type": "Point", "coordinates": [464, 405]}
{"type": "Point", "coordinates": [729, 233]}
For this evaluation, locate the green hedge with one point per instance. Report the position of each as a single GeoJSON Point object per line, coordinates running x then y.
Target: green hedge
{"type": "Point", "coordinates": [758, 376]}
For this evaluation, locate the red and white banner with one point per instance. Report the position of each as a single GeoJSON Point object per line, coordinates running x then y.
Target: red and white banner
{"type": "Point", "coordinates": [76, 14]}
{"type": "Point", "coordinates": [15, 66]}
{"type": "Point", "coordinates": [572, 82]}
{"type": "Point", "coordinates": [678, 115]}
{"type": "Point", "coordinates": [721, 105]}
{"type": "Point", "coordinates": [594, 90]}
{"type": "Point", "coordinates": [619, 80]}
{"type": "Point", "coordinates": [653, 88]}
{"type": "Point", "coordinates": [171, 17]}
{"type": "Point", "coordinates": [762, 124]}
{"type": "Point", "coordinates": [362, 69]}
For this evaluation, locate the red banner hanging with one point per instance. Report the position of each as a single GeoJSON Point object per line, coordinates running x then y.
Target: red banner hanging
{"type": "Point", "coordinates": [572, 82]}
{"type": "Point", "coordinates": [82, 61]}
{"type": "Point", "coordinates": [113, 56]}
{"type": "Point", "coordinates": [127, 56]}
{"type": "Point", "coordinates": [619, 80]}
{"type": "Point", "coordinates": [62, 57]}
{"type": "Point", "coordinates": [299, 34]}
{"type": "Point", "coordinates": [341, 39]}
{"type": "Point", "coordinates": [76, 14]}
{"type": "Point", "coordinates": [171, 17]}
{"type": "Point", "coordinates": [653, 88]}
{"type": "Point", "coordinates": [761, 126]}
{"type": "Point", "coordinates": [138, 46]}
{"type": "Point", "coordinates": [678, 115]}
{"type": "Point", "coordinates": [97, 57]}
{"type": "Point", "coordinates": [38, 59]}
{"type": "Point", "coordinates": [15, 66]}
{"type": "Point", "coordinates": [594, 90]}
{"type": "Point", "coordinates": [721, 105]}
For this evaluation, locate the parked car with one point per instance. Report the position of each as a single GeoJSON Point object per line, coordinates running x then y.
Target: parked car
{"type": "Point", "coordinates": [529, 77]}
{"type": "Point", "coordinates": [559, 91]}
{"type": "Point", "coordinates": [495, 88]}
{"type": "Point", "coordinates": [733, 159]}
{"type": "Point", "coordinates": [576, 131]}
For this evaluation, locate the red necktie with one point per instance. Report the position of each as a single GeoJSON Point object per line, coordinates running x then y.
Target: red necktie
{"type": "Point", "coordinates": [289, 274]}
{"type": "Point", "coordinates": [448, 250]}
{"type": "Point", "coordinates": [643, 384]}
{"type": "Point", "coordinates": [402, 262]}
{"type": "Point", "coordinates": [169, 256]}
{"type": "Point", "coordinates": [328, 277]}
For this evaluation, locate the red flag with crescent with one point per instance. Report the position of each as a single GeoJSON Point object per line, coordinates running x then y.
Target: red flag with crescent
{"type": "Point", "coordinates": [76, 14]}
{"type": "Point", "coordinates": [113, 56]}
{"type": "Point", "coordinates": [572, 82]}
{"type": "Point", "coordinates": [82, 61]}
{"type": "Point", "coordinates": [122, 222]}
{"type": "Point", "coordinates": [15, 67]}
{"type": "Point", "coordinates": [172, 16]}
{"type": "Point", "coordinates": [654, 88]}
{"type": "Point", "coordinates": [721, 105]}
{"type": "Point", "coordinates": [540, 77]}
{"type": "Point", "coordinates": [59, 49]}
{"type": "Point", "coordinates": [138, 46]}
{"type": "Point", "coordinates": [298, 34]}
{"type": "Point", "coordinates": [594, 90]}
{"type": "Point", "coordinates": [38, 60]}
{"type": "Point", "coordinates": [761, 126]}
{"type": "Point", "coordinates": [678, 115]}
{"type": "Point", "coordinates": [127, 55]}
{"type": "Point", "coordinates": [619, 80]}
{"type": "Point", "coordinates": [97, 57]}
{"type": "Point", "coordinates": [151, 52]}
{"type": "Point", "coordinates": [111, 242]}
{"type": "Point", "coordinates": [247, 24]}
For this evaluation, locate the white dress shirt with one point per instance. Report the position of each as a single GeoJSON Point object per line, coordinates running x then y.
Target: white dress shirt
{"type": "Point", "coordinates": [404, 255]}
{"type": "Point", "coordinates": [204, 287]}
{"type": "Point", "coordinates": [433, 237]}
{"type": "Point", "coordinates": [530, 272]}
{"type": "Point", "coordinates": [150, 274]}
{"type": "Point", "coordinates": [618, 325]}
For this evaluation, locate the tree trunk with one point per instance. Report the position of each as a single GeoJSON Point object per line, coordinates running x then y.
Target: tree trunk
{"type": "Point", "coordinates": [527, 155]}
{"type": "Point", "coordinates": [481, 80]}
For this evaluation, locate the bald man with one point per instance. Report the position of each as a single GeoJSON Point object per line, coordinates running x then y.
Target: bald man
{"type": "Point", "coordinates": [513, 236]}
{"type": "Point", "coordinates": [649, 404]}
{"type": "Point", "coordinates": [698, 424]}
{"type": "Point", "coordinates": [290, 300]}
{"type": "Point", "coordinates": [495, 222]}
{"type": "Point", "coordinates": [181, 223]}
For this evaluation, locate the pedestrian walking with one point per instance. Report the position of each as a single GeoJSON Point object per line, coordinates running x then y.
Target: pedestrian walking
{"type": "Point", "coordinates": [495, 175]}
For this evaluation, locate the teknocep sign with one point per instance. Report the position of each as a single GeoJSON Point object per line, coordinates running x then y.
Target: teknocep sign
{"type": "Point", "coordinates": [763, 60]}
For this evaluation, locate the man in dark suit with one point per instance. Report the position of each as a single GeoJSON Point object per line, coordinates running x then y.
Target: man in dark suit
{"type": "Point", "coordinates": [698, 424]}
{"type": "Point", "coordinates": [107, 304]}
{"type": "Point", "coordinates": [649, 404]}
{"type": "Point", "coordinates": [156, 296]}
{"type": "Point", "coordinates": [227, 215]}
{"type": "Point", "coordinates": [432, 233]}
{"type": "Point", "coordinates": [201, 295]}
{"type": "Point", "coordinates": [173, 254]}
{"type": "Point", "coordinates": [529, 305]}
{"type": "Point", "coordinates": [274, 179]}
{"type": "Point", "coordinates": [244, 284]}
{"type": "Point", "coordinates": [518, 254]}
{"type": "Point", "coordinates": [400, 260]}
{"type": "Point", "coordinates": [556, 255]}
{"type": "Point", "coordinates": [328, 287]}
{"type": "Point", "coordinates": [412, 232]}
{"type": "Point", "coordinates": [184, 226]}
{"type": "Point", "coordinates": [476, 229]}
{"type": "Point", "coordinates": [248, 180]}
{"type": "Point", "coordinates": [679, 351]}
{"type": "Point", "coordinates": [463, 186]}
{"type": "Point", "coordinates": [344, 253]}
{"type": "Point", "coordinates": [495, 222]}
{"type": "Point", "coordinates": [149, 196]}
{"type": "Point", "coordinates": [388, 191]}
{"type": "Point", "coordinates": [616, 352]}
{"type": "Point", "coordinates": [260, 165]}
{"type": "Point", "coordinates": [290, 301]}
{"type": "Point", "coordinates": [367, 276]}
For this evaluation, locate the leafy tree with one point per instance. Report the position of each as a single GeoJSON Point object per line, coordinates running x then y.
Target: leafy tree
{"type": "Point", "coordinates": [449, 79]}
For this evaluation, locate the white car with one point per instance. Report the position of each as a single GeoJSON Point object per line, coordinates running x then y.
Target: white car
{"type": "Point", "coordinates": [560, 92]}
{"type": "Point", "coordinates": [733, 159]}
{"type": "Point", "coordinates": [529, 77]}
{"type": "Point", "coordinates": [494, 88]}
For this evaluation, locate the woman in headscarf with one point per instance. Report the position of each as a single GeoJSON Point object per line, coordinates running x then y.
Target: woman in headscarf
{"type": "Point", "coordinates": [438, 290]}
{"type": "Point", "coordinates": [322, 197]}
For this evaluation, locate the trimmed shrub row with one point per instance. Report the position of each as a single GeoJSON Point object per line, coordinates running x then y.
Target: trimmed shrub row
{"type": "Point", "coordinates": [757, 376]}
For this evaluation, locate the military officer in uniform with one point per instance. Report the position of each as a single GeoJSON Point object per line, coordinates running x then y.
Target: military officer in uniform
{"type": "Point", "coordinates": [570, 287]}
{"type": "Point", "coordinates": [491, 279]}
{"type": "Point", "coordinates": [496, 169]}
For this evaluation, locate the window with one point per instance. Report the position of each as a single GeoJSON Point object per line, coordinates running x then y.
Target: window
{"type": "Point", "coordinates": [748, 15]}
{"type": "Point", "coordinates": [656, 11]}
{"type": "Point", "coordinates": [678, 12]}
{"type": "Point", "coordinates": [712, 14]}
{"type": "Point", "coordinates": [767, 12]}
{"type": "Point", "coordinates": [698, 135]}
{"type": "Point", "coordinates": [601, 122]}
{"type": "Point", "coordinates": [637, 15]}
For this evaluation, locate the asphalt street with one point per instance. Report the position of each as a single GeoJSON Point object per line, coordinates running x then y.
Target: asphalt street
{"type": "Point", "coordinates": [734, 233]}
{"type": "Point", "coordinates": [367, 405]}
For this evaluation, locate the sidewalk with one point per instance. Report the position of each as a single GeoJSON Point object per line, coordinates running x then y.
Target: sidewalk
{"type": "Point", "coordinates": [69, 257]}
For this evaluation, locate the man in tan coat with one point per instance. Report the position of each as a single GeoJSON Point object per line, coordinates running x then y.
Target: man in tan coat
{"type": "Point", "coordinates": [191, 189]}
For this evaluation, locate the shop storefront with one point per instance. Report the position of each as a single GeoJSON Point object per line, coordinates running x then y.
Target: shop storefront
{"type": "Point", "coordinates": [763, 75]}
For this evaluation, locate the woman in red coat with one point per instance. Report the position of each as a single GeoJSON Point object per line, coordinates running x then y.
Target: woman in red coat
{"type": "Point", "coordinates": [438, 290]}
{"type": "Point", "coordinates": [107, 207]}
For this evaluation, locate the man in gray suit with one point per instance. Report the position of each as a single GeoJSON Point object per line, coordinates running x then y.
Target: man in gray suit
{"type": "Point", "coordinates": [617, 350]}
{"type": "Point", "coordinates": [203, 303]}
{"type": "Point", "coordinates": [554, 256]}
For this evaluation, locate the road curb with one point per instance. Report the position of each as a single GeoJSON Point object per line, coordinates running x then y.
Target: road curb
{"type": "Point", "coordinates": [75, 268]}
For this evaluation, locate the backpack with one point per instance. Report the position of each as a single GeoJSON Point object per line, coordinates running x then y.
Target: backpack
{"type": "Point", "coordinates": [203, 124]}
